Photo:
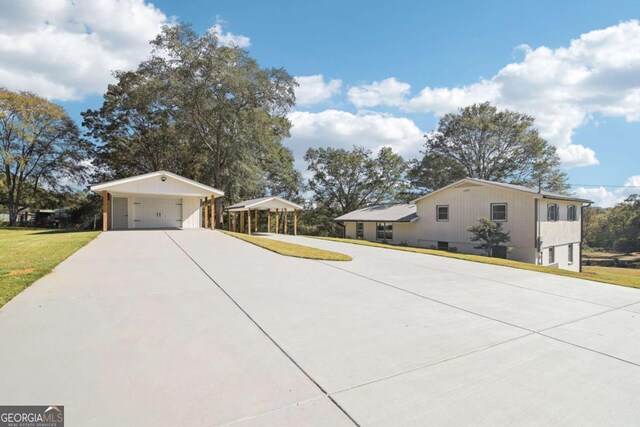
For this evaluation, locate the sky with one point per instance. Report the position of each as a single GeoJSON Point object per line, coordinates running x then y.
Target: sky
{"type": "Point", "coordinates": [376, 73]}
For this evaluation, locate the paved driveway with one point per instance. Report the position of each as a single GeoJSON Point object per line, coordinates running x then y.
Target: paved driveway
{"type": "Point", "coordinates": [198, 328]}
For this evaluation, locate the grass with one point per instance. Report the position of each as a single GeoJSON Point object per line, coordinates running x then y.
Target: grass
{"type": "Point", "coordinates": [610, 275]}
{"type": "Point", "coordinates": [290, 249]}
{"type": "Point", "coordinates": [28, 254]}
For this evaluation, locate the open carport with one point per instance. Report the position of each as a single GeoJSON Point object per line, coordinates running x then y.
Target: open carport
{"type": "Point", "coordinates": [176, 327]}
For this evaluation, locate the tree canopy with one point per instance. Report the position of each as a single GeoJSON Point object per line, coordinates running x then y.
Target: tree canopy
{"type": "Point", "coordinates": [343, 181]}
{"type": "Point", "coordinates": [40, 149]}
{"type": "Point", "coordinates": [203, 110]}
{"type": "Point", "coordinates": [483, 142]}
{"type": "Point", "coordinates": [616, 228]}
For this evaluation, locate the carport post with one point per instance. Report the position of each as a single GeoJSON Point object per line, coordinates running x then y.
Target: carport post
{"type": "Point", "coordinates": [268, 220]}
{"type": "Point", "coordinates": [295, 222]}
{"type": "Point", "coordinates": [249, 222]}
{"type": "Point", "coordinates": [277, 220]}
{"type": "Point", "coordinates": [205, 206]}
{"type": "Point", "coordinates": [286, 220]}
{"type": "Point", "coordinates": [213, 211]}
{"type": "Point", "coordinates": [105, 211]}
{"type": "Point", "coordinates": [255, 217]}
{"type": "Point", "coordinates": [241, 222]}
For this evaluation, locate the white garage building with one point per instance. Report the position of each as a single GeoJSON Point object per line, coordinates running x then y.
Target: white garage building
{"type": "Point", "coordinates": [156, 200]}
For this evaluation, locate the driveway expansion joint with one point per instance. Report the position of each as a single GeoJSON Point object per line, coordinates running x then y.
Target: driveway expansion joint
{"type": "Point", "coordinates": [266, 334]}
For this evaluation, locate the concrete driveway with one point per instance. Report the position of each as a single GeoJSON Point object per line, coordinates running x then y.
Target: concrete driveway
{"type": "Point", "coordinates": [199, 328]}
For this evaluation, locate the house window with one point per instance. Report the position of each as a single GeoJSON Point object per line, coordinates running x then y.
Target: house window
{"type": "Point", "coordinates": [572, 213]}
{"type": "Point", "coordinates": [571, 252]}
{"type": "Point", "coordinates": [553, 212]}
{"type": "Point", "coordinates": [359, 230]}
{"type": "Point", "coordinates": [384, 231]}
{"type": "Point", "coordinates": [442, 213]}
{"type": "Point", "coordinates": [498, 212]}
{"type": "Point", "coordinates": [552, 255]}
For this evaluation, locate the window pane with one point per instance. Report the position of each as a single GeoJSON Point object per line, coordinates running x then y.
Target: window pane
{"type": "Point", "coordinates": [443, 213]}
{"type": "Point", "coordinates": [499, 212]}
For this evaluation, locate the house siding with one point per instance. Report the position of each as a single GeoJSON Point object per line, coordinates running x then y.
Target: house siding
{"type": "Point", "coordinates": [467, 204]}
{"type": "Point", "coordinates": [559, 234]}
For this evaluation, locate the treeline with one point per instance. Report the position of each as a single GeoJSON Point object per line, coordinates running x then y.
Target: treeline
{"type": "Point", "coordinates": [616, 228]}
{"type": "Point", "coordinates": [209, 112]}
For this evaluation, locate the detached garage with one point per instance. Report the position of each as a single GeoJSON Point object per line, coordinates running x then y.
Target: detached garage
{"type": "Point", "coordinates": [156, 200]}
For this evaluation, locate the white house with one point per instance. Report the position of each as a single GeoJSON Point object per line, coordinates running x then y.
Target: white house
{"type": "Point", "coordinates": [156, 200]}
{"type": "Point", "coordinates": [545, 228]}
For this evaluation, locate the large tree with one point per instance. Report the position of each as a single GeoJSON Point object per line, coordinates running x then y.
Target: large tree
{"type": "Point", "coordinates": [483, 142]}
{"type": "Point", "coordinates": [343, 181]}
{"type": "Point", "coordinates": [202, 109]}
{"type": "Point", "coordinates": [40, 149]}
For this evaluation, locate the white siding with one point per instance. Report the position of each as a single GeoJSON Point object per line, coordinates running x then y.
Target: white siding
{"type": "Point", "coordinates": [191, 213]}
{"type": "Point", "coordinates": [560, 234]}
{"type": "Point", "coordinates": [155, 186]}
{"type": "Point", "coordinates": [469, 203]}
{"type": "Point", "coordinates": [404, 233]}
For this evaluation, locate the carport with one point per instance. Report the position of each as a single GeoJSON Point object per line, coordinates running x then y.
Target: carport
{"type": "Point", "coordinates": [157, 200]}
{"type": "Point", "coordinates": [274, 206]}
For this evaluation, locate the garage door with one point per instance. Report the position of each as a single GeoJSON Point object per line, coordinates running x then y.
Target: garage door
{"type": "Point", "coordinates": [151, 212]}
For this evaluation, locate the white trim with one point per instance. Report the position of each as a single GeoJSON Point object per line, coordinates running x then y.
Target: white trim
{"type": "Point", "coordinates": [106, 185]}
{"type": "Point", "coordinates": [279, 199]}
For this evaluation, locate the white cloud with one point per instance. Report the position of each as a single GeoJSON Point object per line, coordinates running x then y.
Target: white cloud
{"type": "Point", "coordinates": [64, 50]}
{"type": "Point", "coordinates": [386, 92]}
{"type": "Point", "coordinates": [228, 38]}
{"type": "Point", "coordinates": [599, 72]}
{"type": "Point", "coordinates": [607, 198]}
{"type": "Point", "coordinates": [341, 129]}
{"type": "Point", "coordinates": [314, 89]}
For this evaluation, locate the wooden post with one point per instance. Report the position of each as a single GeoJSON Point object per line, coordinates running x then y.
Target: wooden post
{"type": "Point", "coordinates": [255, 217]}
{"type": "Point", "coordinates": [105, 211]}
{"type": "Point", "coordinates": [241, 222]}
{"type": "Point", "coordinates": [268, 220]}
{"type": "Point", "coordinates": [249, 222]}
{"type": "Point", "coordinates": [205, 207]}
{"type": "Point", "coordinates": [295, 222]}
{"type": "Point", "coordinates": [286, 220]}
{"type": "Point", "coordinates": [213, 211]}
{"type": "Point", "coordinates": [277, 220]}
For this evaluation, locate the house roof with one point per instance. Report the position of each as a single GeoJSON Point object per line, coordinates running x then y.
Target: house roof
{"type": "Point", "coordinates": [262, 203]}
{"type": "Point", "coordinates": [533, 191]}
{"type": "Point", "coordinates": [400, 212]}
{"type": "Point", "coordinates": [205, 190]}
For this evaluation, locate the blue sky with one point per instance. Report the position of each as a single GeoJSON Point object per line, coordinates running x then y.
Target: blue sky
{"type": "Point", "coordinates": [378, 73]}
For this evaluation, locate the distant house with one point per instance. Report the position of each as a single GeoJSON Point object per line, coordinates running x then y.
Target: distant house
{"type": "Point", "coordinates": [546, 228]}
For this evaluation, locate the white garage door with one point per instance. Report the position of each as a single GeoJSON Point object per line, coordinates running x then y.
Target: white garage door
{"type": "Point", "coordinates": [151, 212]}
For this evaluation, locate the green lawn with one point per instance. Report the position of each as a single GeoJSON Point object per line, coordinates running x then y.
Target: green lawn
{"type": "Point", "coordinates": [28, 254]}
{"type": "Point", "coordinates": [290, 249]}
{"type": "Point", "coordinates": [614, 276]}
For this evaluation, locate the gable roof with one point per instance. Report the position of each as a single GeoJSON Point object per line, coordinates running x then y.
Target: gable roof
{"type": "Point", "coordinates": [206, 190]}
{"type": "Point", "coordinates": [400, 212]}
{"type": "Point", "coordinates": [543, 194]}
{"type": "Point", "coordinates": [270, 202]}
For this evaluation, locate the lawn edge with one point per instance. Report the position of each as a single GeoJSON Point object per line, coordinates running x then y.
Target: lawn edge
{"type": "Point", "coordinates": [249, 239]}
{"type": "Point", "coordinates": [480, 259]}
{"type": "Point", "coordinates": [47, 272]}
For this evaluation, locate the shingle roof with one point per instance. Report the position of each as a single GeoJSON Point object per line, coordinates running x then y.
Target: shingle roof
{"type": "Point", "coordinates": [401, 212]}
